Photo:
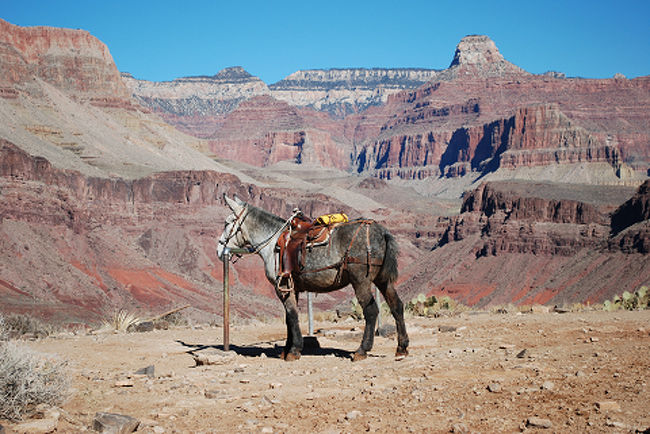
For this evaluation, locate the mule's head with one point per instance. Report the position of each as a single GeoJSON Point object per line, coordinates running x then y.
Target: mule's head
{"type": "Point", "coordinates": [233, 232]}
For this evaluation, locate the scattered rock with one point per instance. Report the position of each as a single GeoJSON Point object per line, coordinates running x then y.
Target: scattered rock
{"type": "Point", "coordinates": [523, 353]}
{"type": "Point", "coordinates": [149, 371]}
{"type": "Point", "coordinates": [548, 385]}
{"type": "Point", "coordinates": [506, 347]}
{"type": "Point", "coordinates": [144, 326]}
{"type": "Point", "coordinates": [538, 422]}
{"type": "Point", "coordinates": [214, 357]}
{"type": "Point", "coordinates": [123, 383]}
{"type": "Point", "coordinates": [604, 406]}
{"type": "Point", "coordinates": [558, 309]}
{"type": "Point", "coordinates": [114, 423]}
{"type": "Point", "coordinates": [38, 426]}
{"type": "Point", "coordinates": [619, 425]}
{"type": "Point", "coordinates": [352, 415]}
{"type": "Point", "coordinates": [494, 387]}
{"type": "Point", "coordinates": [446, 329]}
{"type": "Point", "coordinates": [326, 333]}
{"type": "Point", "coordinates": [213, 394]}
{"type": "Point", "coordinates": [459, 428]}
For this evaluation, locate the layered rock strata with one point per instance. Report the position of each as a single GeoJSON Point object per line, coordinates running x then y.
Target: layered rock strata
{"type": "Point", "coordinates": [197, 105]}
{"type": "Point", "coordinates": [550, 244]}
{"type": "Point", "coordinates": [341, 92]}
{"type": "Point", "coordinates": [75, 247]}
{"type": "Point", "coordinates": [533, 136]}
{"type": "Point", "coordinates": [72, 60]}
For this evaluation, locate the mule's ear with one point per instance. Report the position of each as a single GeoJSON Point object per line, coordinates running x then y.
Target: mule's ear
{"type": "Point", "coordinates": [233, 204]}
{"type": "Point", "coordinates": [238, 200]}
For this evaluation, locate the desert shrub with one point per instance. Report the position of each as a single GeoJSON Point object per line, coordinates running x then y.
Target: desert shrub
{"type": "Point", "coordinates": [432, 306]}
{"type": "Point", "coordinates": [629, 301]}
{"type": "Point", "coordinates": [17, 325]}
{"type": "Point", "coordinates": [4, 332]}
{"type": "Point", "coordinates": [172, 319]}
{"type": "Point", "coordinates": [120, 321]}
{"type": "Point", "coordinates": [27, 379]}
{"type": "Point", "coordinates": [357, 310]}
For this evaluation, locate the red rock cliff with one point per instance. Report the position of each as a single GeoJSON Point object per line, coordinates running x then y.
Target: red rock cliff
{"type": "Point", "coordinates": [74, 61]}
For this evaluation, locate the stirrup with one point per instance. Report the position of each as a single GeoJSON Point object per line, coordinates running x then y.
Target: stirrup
{"type": "Point", "coordinates": [284, 283]}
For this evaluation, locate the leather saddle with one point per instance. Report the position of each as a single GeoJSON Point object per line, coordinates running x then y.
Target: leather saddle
{"type": "Point", "coordinates": [302, 234]}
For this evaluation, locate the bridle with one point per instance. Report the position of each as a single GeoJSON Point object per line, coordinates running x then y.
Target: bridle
{"type": "Point", "coordinates": [236, 228]}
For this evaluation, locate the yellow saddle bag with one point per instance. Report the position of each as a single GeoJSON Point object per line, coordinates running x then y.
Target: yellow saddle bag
{"type": "Point", "coordinates": [329, 219]}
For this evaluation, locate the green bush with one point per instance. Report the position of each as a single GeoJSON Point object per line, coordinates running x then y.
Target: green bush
{"type": "Point", "coordinates": [629, 301]}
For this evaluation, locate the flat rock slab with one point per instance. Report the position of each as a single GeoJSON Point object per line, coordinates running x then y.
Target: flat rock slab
{"type": "Point", "coordinates": [538, 422]}
{"type": "Point", "coordinates": [214, 357]}
{"type": "Point", "coordinates": [114, 423]}
{"type": "Point", "coordinates": [39, 426]}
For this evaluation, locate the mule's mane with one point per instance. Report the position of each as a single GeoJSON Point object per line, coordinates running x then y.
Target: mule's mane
{"type": "Point", "coordinates": [264, 217]}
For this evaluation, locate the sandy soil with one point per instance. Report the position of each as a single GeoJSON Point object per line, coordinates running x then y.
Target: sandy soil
{"type": "Point", "coordinates": [473, 372]}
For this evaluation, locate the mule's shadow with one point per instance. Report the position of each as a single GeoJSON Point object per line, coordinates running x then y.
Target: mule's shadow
{"type": "Point", "coordinates": [311, 348]}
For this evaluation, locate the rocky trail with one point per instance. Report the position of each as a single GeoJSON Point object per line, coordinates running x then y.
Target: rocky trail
{"type": "Point", "coordinates": [470, 372]}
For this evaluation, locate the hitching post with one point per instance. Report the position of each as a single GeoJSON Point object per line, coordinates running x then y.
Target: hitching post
{"type": "Point", "coordinates": [226, 293]}
{"type": "Point", "coordinates": [310, 313]}
{"type": "Point", "coordinates": [226, 300]}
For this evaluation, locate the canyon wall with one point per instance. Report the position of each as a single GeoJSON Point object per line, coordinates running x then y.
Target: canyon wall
{"type": "Point", "coordinates": [417, 123]}
{"type": "Point", "coordinates": [74, 248]}
{"type": "Point", "coordinates": [524, 244]}
{"type": "Point", "coordinates": [105, 205]}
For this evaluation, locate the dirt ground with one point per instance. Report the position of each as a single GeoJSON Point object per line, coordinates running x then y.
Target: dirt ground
{"type": "Point", "coordinates": [473, 372]}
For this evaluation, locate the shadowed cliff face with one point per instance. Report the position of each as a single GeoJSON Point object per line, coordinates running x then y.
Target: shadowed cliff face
{"type": "Point", "coordinates": [548, 243]}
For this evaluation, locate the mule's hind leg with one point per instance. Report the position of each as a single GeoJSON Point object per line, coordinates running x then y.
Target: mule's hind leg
{"type": "Point", "coordinates": [387, 289]}
{"type": "Point", "coordinates": [293, 346]}
{"type": "Point", "coordinates": [370, 311]}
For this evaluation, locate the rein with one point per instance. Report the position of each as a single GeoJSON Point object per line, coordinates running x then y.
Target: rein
{"type": "Point", "coordinates": [282, 228]}
{"type": "Point", "coordinates": [255, 249]}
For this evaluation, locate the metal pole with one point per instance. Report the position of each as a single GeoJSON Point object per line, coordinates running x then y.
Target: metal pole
{"type": "Point", "coordinates": [310, 313]}
{"type": "Point", "coordinates": [226, 300]}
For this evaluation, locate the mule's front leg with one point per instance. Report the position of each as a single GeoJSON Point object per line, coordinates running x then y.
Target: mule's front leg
{"type": "Point", "coordinates": [293, 346]}
{"type": "Point", "coordinates": [370, 312]}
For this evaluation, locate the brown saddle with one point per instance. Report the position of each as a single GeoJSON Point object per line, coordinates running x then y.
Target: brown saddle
{"type": "Point", "coordinates": [302, 234]}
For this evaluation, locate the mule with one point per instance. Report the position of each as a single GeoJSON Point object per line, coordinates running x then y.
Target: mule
{"type": "Point", "coordinates": [354, 255]}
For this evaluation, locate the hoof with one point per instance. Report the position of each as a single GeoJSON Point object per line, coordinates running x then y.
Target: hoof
{"type": "Point", "coordinates": [401, 354]}
{"type": "Point", "coordinates": [290, 357]}
{"type": "Point", "coordinates": [356, 357]}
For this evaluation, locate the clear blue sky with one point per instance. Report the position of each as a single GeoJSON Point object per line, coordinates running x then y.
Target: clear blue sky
{"type": "Point", "coordinates": [162, 40]}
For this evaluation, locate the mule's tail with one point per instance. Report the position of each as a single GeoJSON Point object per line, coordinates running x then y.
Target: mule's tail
{"type": "Point", "coordinates": [388, 272]}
